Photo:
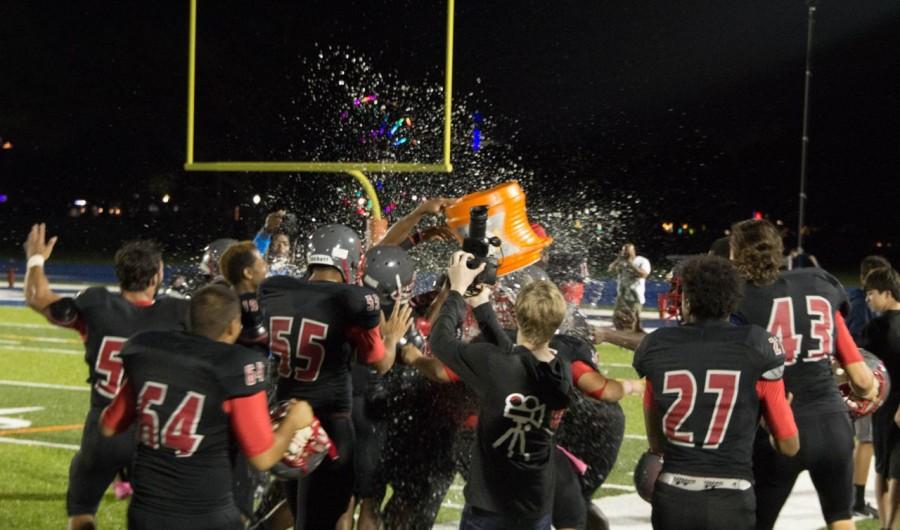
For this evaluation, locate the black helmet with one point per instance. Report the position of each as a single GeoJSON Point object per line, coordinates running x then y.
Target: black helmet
{"type": "Point", "coordinates": [390, 272]}
{"type": "Point", "coordinates": [335, 246]}
{"type": "Point", "coordinates": [209, 263]}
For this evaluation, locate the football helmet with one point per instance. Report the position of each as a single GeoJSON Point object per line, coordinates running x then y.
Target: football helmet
{"type": "Point", "coordinates": [335, 246]}
{"type": "Point", "coordinates": [647, 470]}
{"type": "Point", "coordinates": [391, 273]}
{"type": "Point", "coordinates": [858, 406]}
{"type": "Point", "coordinates": [308, 448]}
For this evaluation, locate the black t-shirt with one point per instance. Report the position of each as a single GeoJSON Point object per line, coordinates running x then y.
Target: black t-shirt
{"type": "Point", "coordinates": [180, 383]}
{"type": "Point", "coordinates": [703, 378]}
{"type": "Point", "coordinates": [106, 321]}
{"type": "Point", "coordinates": [881, 336]}
{"type": "Point", "coordinates": [799, 308]}
{"type": "Point", "coordinates": [520, 403]}
{"type": "Point", "coordinates": [311, 328]}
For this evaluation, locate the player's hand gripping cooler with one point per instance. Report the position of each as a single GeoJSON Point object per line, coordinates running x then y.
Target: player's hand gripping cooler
{"type": "Point", "coordinates": [858, 406]}
{"type": "Point", "coordinates": [308, 448]}
{"type": "Point", "coordinates": [647, 470]}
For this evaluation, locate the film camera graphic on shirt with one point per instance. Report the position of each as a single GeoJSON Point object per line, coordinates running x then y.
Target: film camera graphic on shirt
{"type": "Point", "coordinates": [525, 412]}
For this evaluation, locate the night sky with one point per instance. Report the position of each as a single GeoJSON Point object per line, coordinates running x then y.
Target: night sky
{"type": "Point", "coordinates": [694, 106]}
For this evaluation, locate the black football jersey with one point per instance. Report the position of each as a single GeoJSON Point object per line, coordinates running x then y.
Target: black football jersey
{"type": "Point", "coordinates": [310, 328]}
{"type": "Point", "coordinates": [180, 383]}
{"type": "Point", "coordinates": [703, 378]}
{"type": "Point", "coordinates": [799, 309]}
{"type": "Point", "coordinates": [108, 320]}
{"type": "Point", "coordinates": [573, 348]}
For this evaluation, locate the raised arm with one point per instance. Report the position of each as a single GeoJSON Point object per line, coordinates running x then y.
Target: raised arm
{"type": "Point", "coordinates": [38, 294]}
{"type": "Point", "coordinates": [402, 230]}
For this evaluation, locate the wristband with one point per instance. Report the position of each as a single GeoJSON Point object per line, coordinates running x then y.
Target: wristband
{"type": "Point", "coordinates": [35, 261]}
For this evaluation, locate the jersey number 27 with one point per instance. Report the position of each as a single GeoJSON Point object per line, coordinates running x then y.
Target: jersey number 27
{"type": "Point", "coordinates": [723, 383]}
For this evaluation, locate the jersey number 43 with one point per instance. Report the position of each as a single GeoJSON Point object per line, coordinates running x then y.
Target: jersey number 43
{"type": "Point", "coordinates": [821, 328]}
{"type": "Point", "coordinates": [309, 350]}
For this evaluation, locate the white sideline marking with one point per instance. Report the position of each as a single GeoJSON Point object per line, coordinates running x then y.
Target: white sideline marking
{"type": "Point", "coordinates": [18, 339]}
{"type": "Point", "coordinates": [619, 487]}
{"type": "Point", "coordinates": [31, 384]}
{"type": "Point", "coordinates": [16, 423]}
{"type": "Point", "coordinates": [635, 437]}
{"type": "Point", "coordinates": [47, 350]}
{"type": "Point", "coordinates": [27, 325]}
{"type": "Point", "coordinates": [37, 443]}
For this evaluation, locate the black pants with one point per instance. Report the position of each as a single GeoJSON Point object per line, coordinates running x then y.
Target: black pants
{"type": "Point", "coordinates": [319, 499]}
{"type": "Point", "coordinates": [826, 451]}
{"type": "Point", "coordinates": [220, 519]}
{"type": "Point", "coordinates": [95, 465]}
{"type": "Point", "coordinates": [678, 509]}
{"type": "Point", "coordinates": [569, 506]}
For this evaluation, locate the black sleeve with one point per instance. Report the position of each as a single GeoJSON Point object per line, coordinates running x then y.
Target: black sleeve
{"type": "Point", "coordinates": [490, 326]}
{"type": "Point", "coordinates": [242, 372]}
{"type": "Point", "coordinates": [64, 312]}
{"type": "Point", "coordinates": [364, 306]}
{"type": "Point", "coordinates": [468, 361]}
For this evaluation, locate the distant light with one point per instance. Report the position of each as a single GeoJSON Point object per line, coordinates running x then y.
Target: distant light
{"type": "Point", "coordinates": [100, 210]}
{"type": "Point", "coordinates": [3, 198]}
{"type": "Point", "coordinates": [257, 199]}
{"type": "Point", "coordinates": [757, 215]}
{"type": "Point", "coordinates": [7, 145]}
{"type": "Point", "coordinates": [415, 198]}
{"type": "Point", "coordinates": [79, 202]}
{"type": "Point", "coordinates": [166, 198]}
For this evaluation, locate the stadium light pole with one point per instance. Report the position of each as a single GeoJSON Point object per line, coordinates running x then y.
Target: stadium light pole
{"type": "Point", "coordinates": [804, 141]}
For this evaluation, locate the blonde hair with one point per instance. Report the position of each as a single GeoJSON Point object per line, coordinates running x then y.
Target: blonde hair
{"type": "Point", "coordinates": [540, 309]}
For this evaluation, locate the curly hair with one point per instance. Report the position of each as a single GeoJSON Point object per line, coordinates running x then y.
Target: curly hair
{"type": "Point", "coordinates": [711, 286]}
{"type": "Point", "coordinates": [883, 279]}
{"type": "Point", "coordinates": [137, 263]}
{"type": "Point", "coordinates": [757, 250]}
{"type": "Point", "coordinates": [236, 258]}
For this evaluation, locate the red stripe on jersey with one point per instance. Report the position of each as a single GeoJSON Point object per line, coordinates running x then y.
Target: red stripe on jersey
{"type": "Point", "coordinates": [368, 342]}
{"type": "Point", "coordinates": [775, 408]}
{"type": "Point", "coordinates": [451, 375]}
{"type": "Point", "coordinates": [250, 423]}
{"type": "Point", "coordinates": [846, 350]}
{"type": "Point", "coordinates": [648, 395]}
{"type": "Point", "coordinates": [579, 369]}
{"type": "Point", "coordinates": [119, 414]}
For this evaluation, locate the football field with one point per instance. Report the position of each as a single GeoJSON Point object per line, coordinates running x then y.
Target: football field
{"type": "Point", "coordinates": [44, 398]}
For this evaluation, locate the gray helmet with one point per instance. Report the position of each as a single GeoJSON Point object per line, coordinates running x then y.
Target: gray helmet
{"type": "Point", "coordinates": [209, 263]}
{"type": "Point", "coordinates": [335, 246]}
{"type": "Point", "coordinates": [390, 272]}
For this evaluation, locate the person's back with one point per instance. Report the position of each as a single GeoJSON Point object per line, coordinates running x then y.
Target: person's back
{"type": "Point", "coordinates": [313, 327]}
{"type": "Point", "coordinates": [704, 376]}
{"type": "Point", "coordinates": [801, 308]}
{"type": "Point", "coordinates": [182, 385]}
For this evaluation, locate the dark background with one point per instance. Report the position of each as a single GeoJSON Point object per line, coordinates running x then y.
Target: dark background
{"type": "Point", "coordinates": [692, 108]}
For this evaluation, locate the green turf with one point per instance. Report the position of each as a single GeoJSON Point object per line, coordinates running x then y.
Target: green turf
{"type": "Point", "coordinates": [32, 492]}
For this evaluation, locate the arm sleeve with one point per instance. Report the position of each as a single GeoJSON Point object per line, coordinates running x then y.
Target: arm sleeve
{"type": "Point", "coordinates": [490, 326]}
{"type": "Point", "coordinates": [468, 361]}
{"type": "Point", "coordinates": [250, 423]}
{"type": "Point", "coordinates": [369, 343]}
{"type": "Point", "coordinates": [648, 395]}
{"type": "Point", "coordinates": [451, 375]}
{"type": "Point", "coordinates": [845, 347]}
{"type": "Point", "coordinates": [66, 313]}
{"type": "Point", "coordinates": [121, 412]}
{"type": "Point", "coordinates": [775, 408]}
{"type": "Point", "coordinates": [262, 241]}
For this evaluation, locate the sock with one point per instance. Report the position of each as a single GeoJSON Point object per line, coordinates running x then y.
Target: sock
{"type": "Point", "coordinates": [860, 495]}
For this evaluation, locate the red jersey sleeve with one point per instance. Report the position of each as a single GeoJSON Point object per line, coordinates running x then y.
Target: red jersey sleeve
{"type": "Point", "coordinates": [845, 347]}
{"type": "Point", "coordinates": [581, 369]}
{"type": "Point", "coordinates": [120, 413]}
{"type": "Point", "coordinates": [368, 342]}
{"type": "Point", "coordinates": [775, 408]}
{"type": "Point", "coordinates": [451, 375]}
{"type": "Point", "coordinates": [250, 423]}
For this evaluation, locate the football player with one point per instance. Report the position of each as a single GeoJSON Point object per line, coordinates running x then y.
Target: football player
{"type": "Point", "coordinates": [244, 268]}
{"type": "Point", "coordinates": [706, 384]}
{"type": "Point", "coordinates": [881, 336]}
{"type": "Point", "coordinates": [104, 320]}
{"type": "Point", "coordinates": [314, 324]}
{"type": "Point", "coordinates": [190, 394]}
{"type": "Point", "coordinates": [803, 309]}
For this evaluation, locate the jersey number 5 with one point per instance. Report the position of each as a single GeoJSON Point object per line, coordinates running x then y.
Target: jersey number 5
{"type": "Point", "coordinates": [180, 430]}
{"type": "Point", "coordinates": [723, 383]}
{"type": "Point", "coordinates": [108, 367]}
{"type": "Point", "coordinates": [310, 349]}
{"type": "Point", "coordinates": [821, 328]}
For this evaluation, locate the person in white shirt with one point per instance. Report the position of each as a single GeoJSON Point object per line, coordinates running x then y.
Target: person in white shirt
{"type": "Point", "coordinates": [631, 272]}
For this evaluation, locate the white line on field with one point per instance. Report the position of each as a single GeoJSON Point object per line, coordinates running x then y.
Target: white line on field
{"type": "Point", "coordinates": [616, 365]}
{"type": "Point", "coordinates": [20, 338]}
{"type": "Point", "coordinates": [635, 437]}
{"type": "Point", "coordinates": [30, 384]}
{"type": "Point", "coordinates": [619, 487]}
{"type": "Point", "coordinates": [37, 443]}
{"type": "Point", "coordinates": [26, 325]}
{"type": "Point", "coordinates": [24, 348]}
{"type": "Point", "coordinates": [448, 504]}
